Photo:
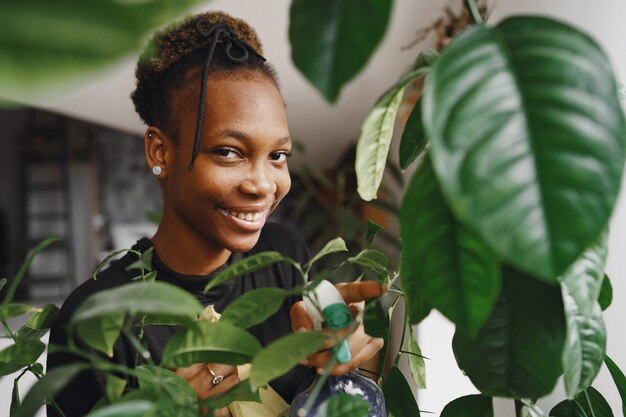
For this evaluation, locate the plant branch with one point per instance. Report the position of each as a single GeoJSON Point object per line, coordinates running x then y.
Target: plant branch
{"type": "Point", "coordinates": [518, 408]}
{"type": "Point", "coordinates": [593, 414]}
{"type": "Point", "coordinates": [7, 330]}
{"type": "Point", "coordinates": [471, 7]}
{"type": "Point", "coordinates": [405, 325]}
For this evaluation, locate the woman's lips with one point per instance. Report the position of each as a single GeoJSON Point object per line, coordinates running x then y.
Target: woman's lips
{"type": "Point", "coordinates": [251, 220]}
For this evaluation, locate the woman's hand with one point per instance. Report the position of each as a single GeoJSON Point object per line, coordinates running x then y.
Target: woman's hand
{"type": "Point", "coordinates": [362, 346]}
{"type": "Point", "coordinates": [202, 376]}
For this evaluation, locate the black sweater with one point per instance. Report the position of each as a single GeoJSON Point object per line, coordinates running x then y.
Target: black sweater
{"type": "Point", "coordinates": [88, 387]}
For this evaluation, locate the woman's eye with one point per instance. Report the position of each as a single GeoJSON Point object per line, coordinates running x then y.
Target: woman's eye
{"type": "Point", "coordinates": [279, 156]}
{"type": "Point", "coordinates": [225, 153]}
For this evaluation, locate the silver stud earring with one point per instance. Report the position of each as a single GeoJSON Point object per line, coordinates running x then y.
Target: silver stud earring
{"type": "Point", "coordinates": [156, 170]}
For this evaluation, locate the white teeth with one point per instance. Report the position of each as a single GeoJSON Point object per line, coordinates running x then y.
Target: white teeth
{"type": "Point", "coordinates": [241, 216]}
{"type": "Point", "coordinates": [249, 217]}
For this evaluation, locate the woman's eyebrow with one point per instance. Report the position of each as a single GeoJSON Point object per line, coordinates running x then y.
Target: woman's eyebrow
{"type": "Point", "coordinates": [243, 137]}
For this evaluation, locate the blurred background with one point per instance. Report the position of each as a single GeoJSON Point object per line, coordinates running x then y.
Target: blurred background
{"type": "Point", "coordinates": [72, 163]}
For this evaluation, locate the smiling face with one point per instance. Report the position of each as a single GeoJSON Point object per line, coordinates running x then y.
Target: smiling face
{"type": "Point", "coordinates": [240, 174]}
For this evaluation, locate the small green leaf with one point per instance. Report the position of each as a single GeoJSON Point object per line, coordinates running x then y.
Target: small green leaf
{"type": "Point", "coordinates": [376, 133]}
{"type": "Point", "coordinates": [335, 245]}
{"type": "Point", "coordinates": [38, 323]}
{"type": "Point", "coordinates": [15, 397]}
{"type": "Point", "coordinates": [19, 355]}
{"type": "Point", "coordinates": [37, 368]}
{"type": "Point", "coordinates": [619, 379]}
{"type": "Point", "coordinates": [371, 258]}
{"type": "Point", "coordinates": [141, 298]}
{"type": "Point", "coordinates": [567, 408]}
{"type": "Point", "coordinates": [417, 366]}
{"type": "Point", "coordinates": [219, 342]}
{"type": "Point", "coordinates": [254, 307]}
{"type": "Point", "coordinates": [241, 392]}
{"type": "Point", "coordinates": [606, 293]}
{"type": "Point", "coordinates": [14, 309]}
{"type": "Point", "coordinates": [101, 332]}
{"type": "Point", "coordinates": [413, 140]}
{"type": "Point", "coordinates": [144, 262]}
{"type": "Point", "coordinates": [246, 266]}
{"type": "Point", "coordinates": [469, 406]}
{"type": "Point", "coordinates": [173, 390]}
{"type": "Point", "coordinates": [3, 282]}
{"type": "Point", "coordinates": [283, 354]}
{"type": "Point", "coordinates": [343, 405]}
{"type": "Point", "coordinates": [47, 387]}
{"type": "Point", "coordinates": [399, 396]}
{"type": "Point", "coordinates": [114, 387]}
{"type": "Point", "coordinates": [590, 399]}
{"type": "Point", "coordinates": [374, 319]}
{"type": "Point", "coordinates": [136, 408]}
{"type": "Point", "coordinates": [331, 40]}
{"type": "Point", "coordinates": [108, 259]}
{"type": "Point", "coordinates": [371, 232]}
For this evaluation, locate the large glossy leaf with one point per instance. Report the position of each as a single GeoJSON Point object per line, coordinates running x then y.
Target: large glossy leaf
{"type": "Point", "coordinates": [79, 36]}
{"type": "Point", "coordinates": [247, 265]}
{"type": "Point", "coordinates": [371, 258]}
{"type": "Point", "coordinates": [469, 406]}
{"type": "Point", "coordinates": [15, 309]}
{"type": "Point", "coordinates": [254, 307]}
{"type": "Point", "coordinates": [219, 342]}
{"type": "Point", "coordinates": [413, 140]}
{"type": "Point", "coordinates": [343, 405]}
{"type": "Point", "coordinates": [527, 137]}
{"type": "Point", "coordinates": [606, 293]}
{"type": "Point", "coordinates": [417, 366]}
{"type": "Point", "coordinates": [335, 245]}
{"type": "Point", "coordinates": [137, 408]}
{"type": "Point", "coordinates": [173, 391]}
{"type": "Point", "coordinates": [619, 379]}
{"type": "Point", "coordinates": [39, 322]}
{"type": "Point", "coordinates": [47, 387]}
{"type": "Point", "coordinates": [141, 298]}
{"type": "Point", "coordinates": [101, 332]}
{"type": "Point", "coordinates": [283, 354]}
{"type": "Point", "coordinates": [518, 351]}
{"type": "Point", "coordinates": [567, 408]}
{"type": "Point", "coordinates": [376, 133]}
{"type": "Point", "coordinates": [332, 40]}
{"type": "Point", "coordinates": [443, 261]}
{"type": "Point", "coordinates": [19, 355]}
{"type": "Point", "coordinates": [594, 403]}
{"type": "Point", "coordinates": [399, 396]}
{"type": "Point", "coordinates": [375, 321]}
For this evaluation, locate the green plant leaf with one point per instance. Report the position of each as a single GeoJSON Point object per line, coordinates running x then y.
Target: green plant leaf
{"type": "Point", "coordinates": [136, 408]}
{"type": "Point", "coordinates": [38, 323]}
{"type": "Point", "coordinates": [19, 355]}
{"type": "Point", "coordinates": [80, 37]}
{"type": "Point", "coordinates": [144, 262]}
{"type": "Point", "coordinates": [254, 307]}
{"type": "Point", "coordinates": [443, 261]}
{"type": "Point", "coordinates": [101, 332]}
{"type": "Point", "coordinates": [174, 392]}
{"type": "Point", "coordinates": [532, 409]}
{"type": "Point", "coordinates": [376, 133]}
{"type": "Point", "coordinates": [370, 233]}
{"type": "Point", "coordinates": [591, 398]}
{"type": "Point", "coordinates": [469, 406]}
{"type": "Point", "coordinates": [606, 293]}
{"type": "Point", "coordinates": [335, 245]}
{"type": "Point", "coordinates": [585, 345]}
{"type": "Point", "coordinates": [343, 405]}
{"type": "Point", "coordinates": [619, 379]}
{"type": "Point", "coordinates": [114, 387]}
{"type": "Point", "coordinates": [371, 258]}
{"type": "Point", "coordinates": [47, 387]}
{"type": "Point", "coordinates": [567, 408]}
{"type": "Point", "coordinates": [332, 40]}
{"type": "Point", "coordinates": [374, 319]}
{"type": "Point", "coordinates": [107, 259]}
{"type": "Point", "coordinates": [15, 309]}
{"type": "Point", "coordinates": [3, 282]}
{"type": "Point", "coordinates": [523, 344]}
{"type": "Point", "coordinates": [141, 298]}
{"type": "Point", "coordinates": [527, 139]}
{"type": "Point", "coordinates": [413, 140]}
{"type": "Point", "coordinates": [399, 396]}
{"type": "Point", "coordinates": [241, 392]}
{"type": "Point", "coordinates": [247, 265]}
{"type": "Point", "coordinates": [40, 247]}
{"type": "Point", "coordinates": [283, 354]}
{"type": "Point", "coordinates": [15, 397]}
{"type": "Point", "coordinates": [417, 366]}
{"type": "Point", "coordinates": [219, 342]}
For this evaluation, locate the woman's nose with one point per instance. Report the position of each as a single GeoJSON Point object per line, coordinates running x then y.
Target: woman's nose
{"type": "Point", "coordinates": [258, 182]}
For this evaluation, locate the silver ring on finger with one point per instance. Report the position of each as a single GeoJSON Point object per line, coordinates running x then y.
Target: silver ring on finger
{"type": "Point", "coordinates": [217, 378]}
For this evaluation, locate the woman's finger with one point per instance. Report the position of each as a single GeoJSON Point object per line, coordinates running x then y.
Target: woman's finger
{"type": "Point", "coordinates": [353, 292]}
{"type": "Point", "coordinates": [369, 350]}
{"type": "Point", "coordinates": [356, 341]}
{"type": "Point", "coordinates": [300, 319]}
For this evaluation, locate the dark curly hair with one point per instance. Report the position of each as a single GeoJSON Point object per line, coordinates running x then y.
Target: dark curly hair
{"type": "Point", "coordinates": [176, 54]}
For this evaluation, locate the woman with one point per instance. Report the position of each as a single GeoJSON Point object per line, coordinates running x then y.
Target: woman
{"type": "Point", "coordinates": [218, 142]}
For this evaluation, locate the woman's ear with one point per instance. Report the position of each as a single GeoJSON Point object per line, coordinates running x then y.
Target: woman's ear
{"type": "Point", "coordinates": [158, 151]}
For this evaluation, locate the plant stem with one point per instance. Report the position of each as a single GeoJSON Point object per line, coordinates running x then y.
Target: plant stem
{"type": "Point", "coordinates": [518, 408]}
{"type": "Point", "coordinates": [7, 330]}
{"type": "Point", "coordinates": [302, 412]}
{"type": "Point", "coordinates": [593, 414]}
{"type": "Point", "coordinates": [414, 354]}
{"type": "Point", "coordinates": [471, 7]}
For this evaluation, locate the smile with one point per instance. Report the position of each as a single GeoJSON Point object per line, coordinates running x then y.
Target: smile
{"type": "Point", "coordinates": [249, 217]}
{"type": "Point", "coordinates": [247, 220]}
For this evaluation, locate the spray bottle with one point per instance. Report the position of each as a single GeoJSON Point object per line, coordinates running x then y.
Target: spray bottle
{"type": "Point", "coordinates": [334, 314]}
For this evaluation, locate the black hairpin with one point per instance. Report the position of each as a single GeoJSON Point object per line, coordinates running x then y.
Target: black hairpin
{"type": "Point", "coordinates": [215, 32]}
